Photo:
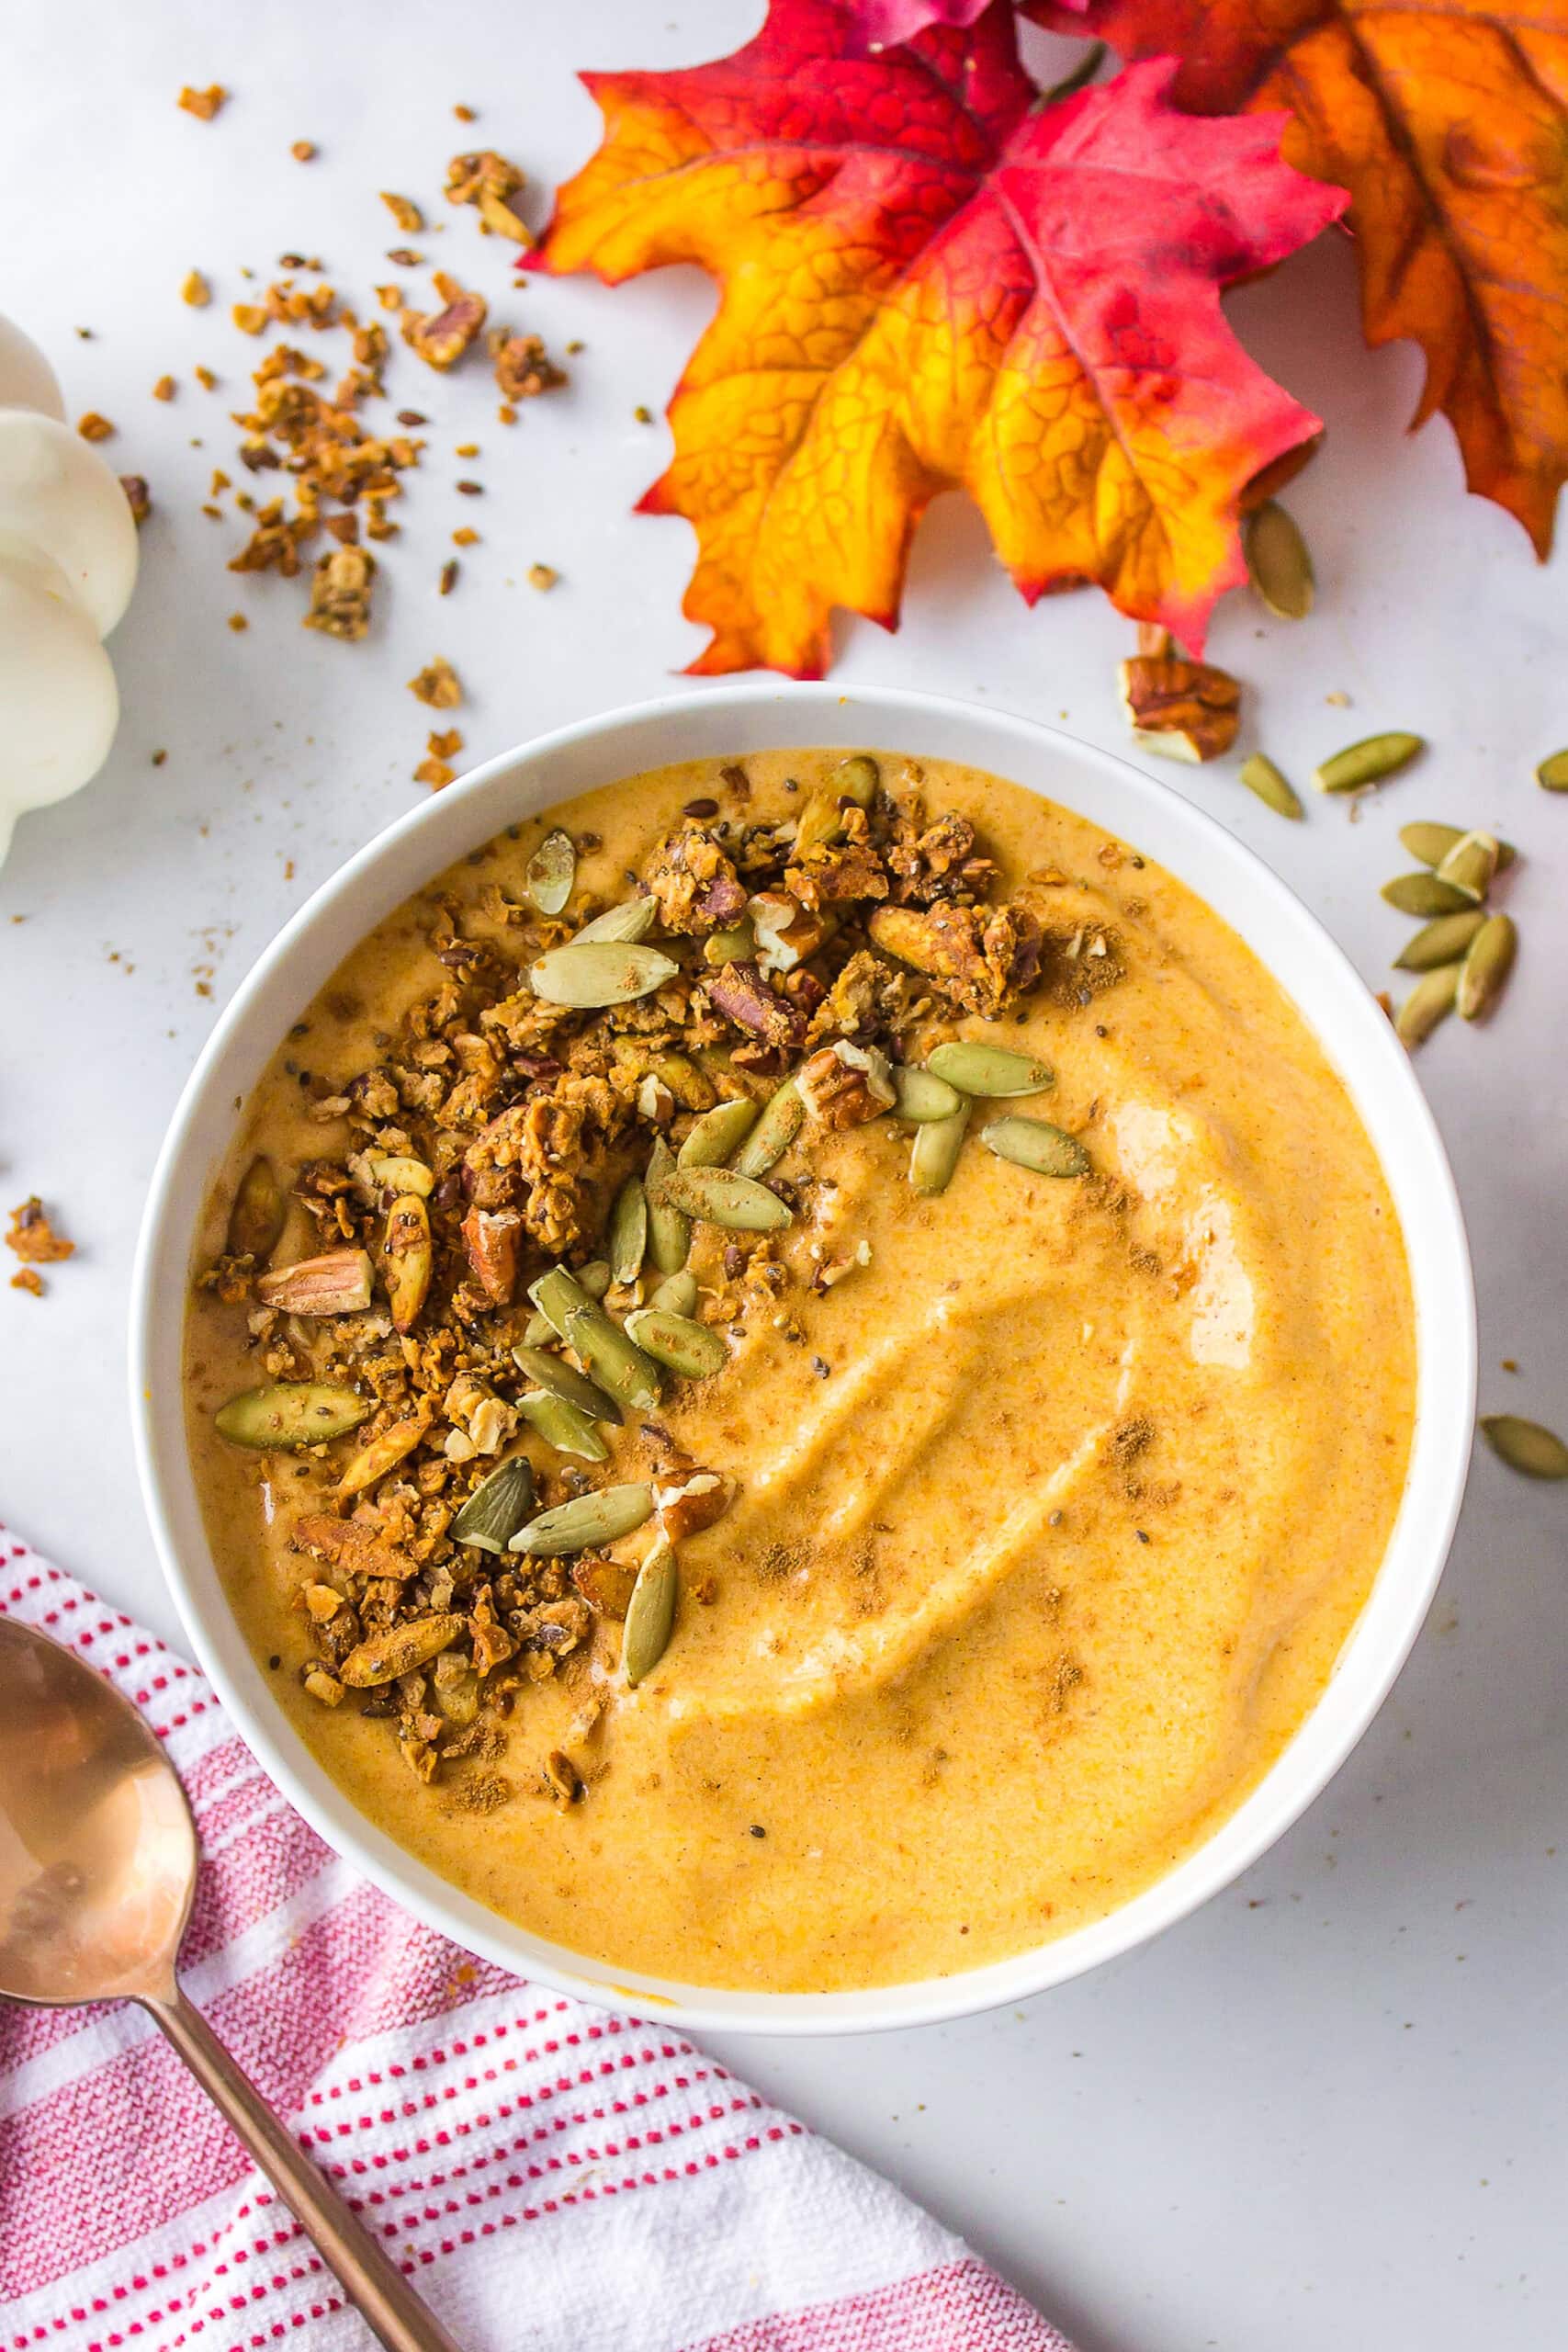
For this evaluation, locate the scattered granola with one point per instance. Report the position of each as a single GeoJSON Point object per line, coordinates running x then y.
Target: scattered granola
{"type": "Point", "coordinates": [404, 212]}
{"type": "Point", "coordinates": [442, 339]}
{"type": "Point", "coordinates": [196, 291]}
{"type": "Point", "coordinates": [34, 1241]}
{"type": "Point", "coordinates": [203, 104]}
{"type": "Point", "coordinates": [304, 151]}
{"type": "Point", "coordinates": [487, 180]}
{"type": "Point", "coordinates": [522, 368]}
{"type": "Point", "coordinates": [138, 497]}
{"type": "Point", "coordinates": [438, 684]}
{"type": "Point", "coordinates": [340, 594]}
{"type": "Point", "coordinates": [163, 390]}
{"type": "Point", "coordinates": [94, 427]}
{"type": "Point", "coordinates": [542, 575]}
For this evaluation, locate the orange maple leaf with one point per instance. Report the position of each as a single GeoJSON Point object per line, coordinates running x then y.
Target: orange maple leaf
{"type": "Point", "coordinates": [1448, 121]}
{"type": "Point", "coordinates": [925, 284]}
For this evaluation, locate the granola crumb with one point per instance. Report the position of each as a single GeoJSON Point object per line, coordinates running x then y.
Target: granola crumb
{"type": "Point", "coordinates": [204, 104]}
{"type": "Point", "coordinates": [196, 290]}
{"type": "Point", "coordinates": [488, 181]}
{"type": "Point", "coordinates": [304, 151]}
{"type": "Point", "coordinates": [523, 369]}
{"type": "Point", "coordinates": [138, 496]}
{"type": "Point", "coordinates": [435, 773]}
{"type": "Point", "coordinates": [33, 1239]}
{"type": "Point", "coordinates": [438, 684]}
{"type": "Point", "coordinates": [237, 622]}
{"type": "Point", "coordinates": [471, 489]}
{"type": "Point", "coordinates": [27, 1277]}
{"type": "Point", "coordinates": [404, 212]}
{"type": "Point", "coordinates": [448, 579]}
{"type": "Point", "coordinates": [441, 339]}
{"type": "Point", "coordinates": [506, 414]}
{"type": "Point", "coordinates": [94, 427]}
{"type": "Point", "coordinates": [465, 114]}
{"type": "Point", "coordinates": [542, 575]}
{"type": "Point", "coordinates": [163, 390]}
{"type": "Point", "coordinates": [466, 537]}
{"type": "Point", "coordinates": [250, 318]}
{"type": "Point", "coordinates": [340, 594]}
{"type": "Point", "coordinates": [644, 415]}
{"type": "Point", "coordinates": [206, 378]}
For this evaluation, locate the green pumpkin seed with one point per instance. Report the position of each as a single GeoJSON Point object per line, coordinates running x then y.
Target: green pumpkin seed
{"type": "Point", "coordinates": [1553, 774]}
{"type": "Point", "coordinates": [630, 922]}
{"type": "Point", "coordinates": [1470, 865]}
{"type": "Point", "coordinates": [1430, 1001]}
{"type": "Point", "coordinates": [784, 1115]}
{"type": "Point", "coordinates": [498, 1507]}
{"type": "Point", "coordinates": [650, 1613]}
{"type": "Point", "coordinates": [562, 1379]}
{"type": "Point", "coordinates": [921, 1098]}
{"type": "Point", "coordinates": [719, 1134]}
{"type": "Point", "coordinates": [1276, 791]}
{"type": "Point", "coordinates": [620, 1368]}
{"type": "Point", "coordinates": [291, 1413]}
{"type": "Point", "coordinates": [537, 1330]}
{"type": "Point", "coordinates": [991, 1070]}
{"type": "Point", "coordinates": [1525, 1446]}
{"type": "Point", "coordinates": [1034, 1143]}
{"type": "Point", "coordinates": [561, 1425]}
{"type": "Point", "coordinates": [1442, 942]}
{"type": "Point", "coordinates": [595, 1277]}
{"type": "Point", "coordinates": [1278, 561]}
{"type": "Point", "coordinates": [1486, 966]}
{"type": "Point", "coordinates": [718, 1196]}
{"type": "Point", "coordinates": [687, 1347]}
{"type": "Point", "coordinates": [668, 1228]}
{"type": "Point", "coordinates": [1431, 843]}
{"type": "Point", "coordinates": [1367, 761]}
{"type": "Point", "coordinates": [677, 1295]}
{"type": "Point", "coordinates": [628, 1231]}
{"type": "Point", "coordinates": [257, 1217]}
{"type": "Point", "coordinates": [587, 1519]}
{"type": "Point", "coordinates": [1427, 894]}
{"type": "Point", "coordinates": [551, 871]}
{"type": "Point", "coordinates": [732, 945]}
{"type": "Point", "coordinates": [934, 1154]}
{"type": "Point", "coordinates": [602, 972]}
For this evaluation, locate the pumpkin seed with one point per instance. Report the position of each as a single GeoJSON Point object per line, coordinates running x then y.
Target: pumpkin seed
{"type": "Point", "coordinates": [1367, 761]}
{"type": "Point", "coordinates": [988, 1069]}
{"type": "Point", "coordinates": [396, 1172]}
{"type": "Point", "coordinates": [934, 1154]}
{"type": "Point", "coordinates": [1470, 865]}
{"type": "Point", "coordinates": [1553, 774]}
{"type": "Point", "coordinates": [1441, 943]}
{"type": "Point", "coordinates": [630, 922]}
{"type": "Point", "coordinates": [669, 1231]}
{"type": "Point", "coordinates": [291, 1413]}
{"type": "Point", "coordinates": [1276, 791]}
{"type": "Point", "coordinates": [719, 1134]}
{"type": "Point", "coordinates": [562, 1425]}
{"type": "Point", "coordinates": [732, 945]}
{"type": "Point", "coordinates": [620, 1368]}
{"type": "Point", "coordinates": [403, 1649]}
{"type": "Point", "coordinates": [784, 1115]}
{"type": "Point", "coordinates": [687, 1347]}
{"type": "Point", "coordinates": [921, 1098]}
{"type": "Point", "coordinates": [1427, 894]}
{"type": "Point", "coordinates": [537, 1330]}
{"type": "Point", "coordinates": [383, 1453]}
{"type": "Point", "coordinates": [256, 1218]}
{"type": "Point", "coordinates": [562, 1379]}
{"type": "Point", "coordinates": [677, 1295]}
{"type": "Point", "coordinates": [595, 1277]}
{"type": "Point", "coordinates": [650, 1613]}
{"type": "Point", "coordinates": [718, 1196]}
{"type": "Point", "coordinates": [497, 1508]}
{"type": "Point", "coordinates": [1525, 1446]}
{"type": "Point", "coordinates": [1278, 561]}
{"type": "Point", "coordinates": [585, 1520]}
{"type": "Point", "coordinates": [1430, 1001]}
{"type": "Point", "coordinates": [628, 1231]}
{"type": "Point", "coordinates": [822, 819]}
{"type": "Point", "coordinates": [599, 973]}
{"type": "Point", "coordinates": [551, 871]}
{"type": "Point", "coordinates": [1486, 966]}
{"type": "Point", "coordinates": [1431, 843]}
{"type": "Point", "coordinates": [407, 1259]}
{"type": "Point", "coordinates": [1034, 1143]}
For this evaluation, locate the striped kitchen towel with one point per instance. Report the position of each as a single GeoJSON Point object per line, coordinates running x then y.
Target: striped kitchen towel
{"type": "Point", "coordinates": [553, 2177]}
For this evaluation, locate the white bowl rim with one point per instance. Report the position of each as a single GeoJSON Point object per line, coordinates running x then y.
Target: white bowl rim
{"type": "Point", "coordinates": [1343, 1015]}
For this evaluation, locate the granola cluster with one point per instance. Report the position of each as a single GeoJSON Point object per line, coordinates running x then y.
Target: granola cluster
{"type": "Point", "coordinates": [494, 1136]}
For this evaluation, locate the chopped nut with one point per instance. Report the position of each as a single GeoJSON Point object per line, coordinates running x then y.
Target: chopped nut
{"type": "Point", "coordinates": [94, 427]}
{"type": "Point", "coordinates": [324, 1687]}
{"type": "Point", "coordinates": [340, 594]}
{"type": "Point", "coordinates": [1186, 709]}
{"type": "Point", "coordinates": [843, 1085]}
{"type": "Point", "coordinates": [743, 996]}
{"type": "Point", "coordinates": [442, 340]}
{"type": "Point", "coordinates": [486, 180]}
{"type": "Point", "coordinates": [163, 390]}
{"type": "Point", "coordinates": [404, 212]}
{"type": "Point", "coordinates": [27, 1277]}
{"type": "Point", "coordinates": [493, 1240]}
{"type": "Point", "coordinates": [203, 104]}
{"type": "Point", "coordinates": [523, 367]}
{"type": "Point", "coordinates": [438, 684]}
{"type": "Point", "coordinates": [686, 1510]}
{"type": "Point", "coordinates": [338, 1284]}
{"type": "Point", "coordinates": [250, 318]}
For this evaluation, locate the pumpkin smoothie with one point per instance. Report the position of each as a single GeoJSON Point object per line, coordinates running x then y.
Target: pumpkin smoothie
{"type": "Point", "coordinates": [799, 1371]}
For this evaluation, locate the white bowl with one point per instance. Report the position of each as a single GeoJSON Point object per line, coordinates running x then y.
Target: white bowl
{"type": "Point", "coordinates": [731, 721]}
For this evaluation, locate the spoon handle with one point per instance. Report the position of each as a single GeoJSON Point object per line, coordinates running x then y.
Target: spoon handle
{"type": "Point", "coordinates": [367, 2275]}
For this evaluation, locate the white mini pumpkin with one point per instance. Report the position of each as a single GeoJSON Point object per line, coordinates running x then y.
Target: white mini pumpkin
{"type": "Point", "coordinates": [67, 568]}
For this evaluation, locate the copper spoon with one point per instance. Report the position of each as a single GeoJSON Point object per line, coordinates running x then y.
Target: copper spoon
{"type": "Point", "coordinates": [98, 1868]}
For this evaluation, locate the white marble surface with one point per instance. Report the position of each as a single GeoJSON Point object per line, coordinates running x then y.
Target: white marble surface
{"type": "Point", "coordinates": [1328, 2110]}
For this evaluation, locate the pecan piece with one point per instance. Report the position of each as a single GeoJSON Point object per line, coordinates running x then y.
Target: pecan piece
{"type": "Point", "coordinates": [743, 996]}
{"type": "Point", "coordinates": [605, 1585]}
{"type": "Point", "coordinates": [442, 340]}
{"type": "Point", "coordinates": [1189, 710]}
{"type": "Point", "coordinates": [787, 933]}
{"type": "Point", "coordinates": [338, 1284]}
{"type": "Point", "coordinates": [845, 1085]}
{"type": "Point", "coordinates": [493, 1240]}
{"type": "Point", "coordinates": [686, 1510]}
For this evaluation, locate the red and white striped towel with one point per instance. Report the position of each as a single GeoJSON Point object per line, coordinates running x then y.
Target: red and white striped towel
{"type": "Point", "coordinates": [555, 2176]}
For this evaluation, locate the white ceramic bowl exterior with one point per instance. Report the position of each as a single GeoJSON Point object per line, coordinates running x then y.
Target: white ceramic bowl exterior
{"type": "Point", "coordinates": [729, 722]}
